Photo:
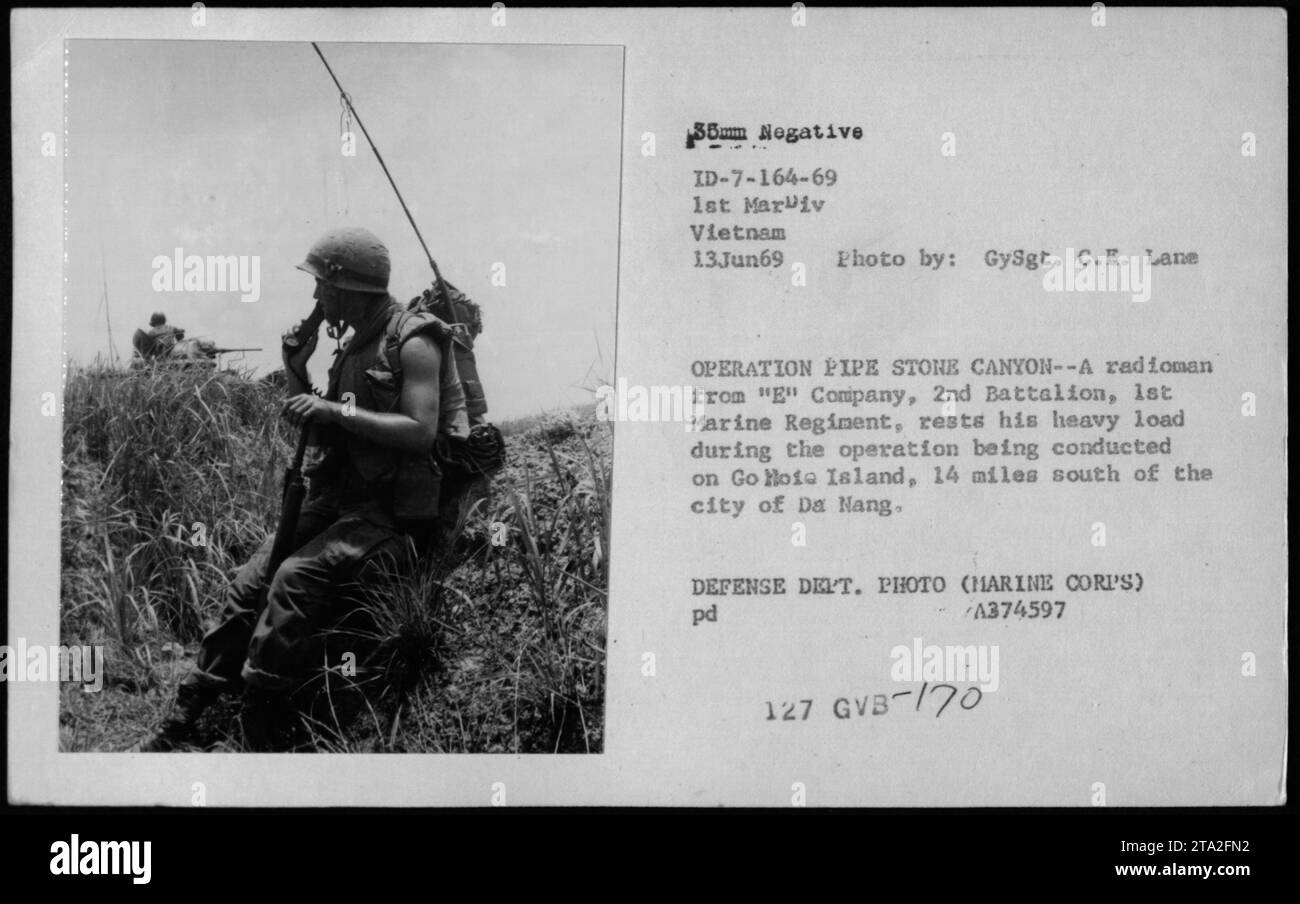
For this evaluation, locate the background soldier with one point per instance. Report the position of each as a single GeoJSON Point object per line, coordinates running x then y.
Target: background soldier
{"type": "Point", "coordinates": [160, 339]}
{"type": "Point", "coordinates": [377, 487]}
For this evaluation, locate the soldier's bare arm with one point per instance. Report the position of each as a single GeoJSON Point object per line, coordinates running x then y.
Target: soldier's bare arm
{"type": "Point", "coordinates": [413, 428]}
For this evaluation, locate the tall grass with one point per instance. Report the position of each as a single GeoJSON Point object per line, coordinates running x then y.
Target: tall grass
{"type": "Point", "coordinates": [565, 569]}
{"type": "Point", "coordinates": [170, 482]}
{"type": "Point", "coordinates": [172, 479]}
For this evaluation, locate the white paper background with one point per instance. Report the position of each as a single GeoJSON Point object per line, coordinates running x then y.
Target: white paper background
{"type": "Point", "coordinates": [1126, 136]}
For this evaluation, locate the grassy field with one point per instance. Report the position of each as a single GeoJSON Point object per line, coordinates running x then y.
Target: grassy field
{"type": "Point", "coordinates": [172, 479]}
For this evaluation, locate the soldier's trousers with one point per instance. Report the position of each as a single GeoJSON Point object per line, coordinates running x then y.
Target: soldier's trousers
{"type": "Point", "coordinates": [270, 636]}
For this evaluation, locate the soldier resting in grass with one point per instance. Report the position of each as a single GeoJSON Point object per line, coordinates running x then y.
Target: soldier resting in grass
{"type": "Point", "coordinates": [378, 492]}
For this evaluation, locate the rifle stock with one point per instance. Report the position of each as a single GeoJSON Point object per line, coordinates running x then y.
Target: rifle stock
{"type": "Point", "coordinates": [290, 508]}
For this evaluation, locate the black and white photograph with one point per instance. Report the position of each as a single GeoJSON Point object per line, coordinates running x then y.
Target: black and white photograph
{"type": "Point", "coordinates": [335, 321]}
{"type": "Point", "coordinates": [939, 356]}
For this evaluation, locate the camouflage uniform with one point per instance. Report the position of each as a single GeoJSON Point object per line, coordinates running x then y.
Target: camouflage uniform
{"type": "Point", "coordinates": [369, 508]}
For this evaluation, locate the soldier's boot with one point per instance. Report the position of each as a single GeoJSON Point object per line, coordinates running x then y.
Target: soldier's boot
{"type": "Point", "coordinates": [269, 721]}
{"type": "Point", "coordinates": [178, 727]}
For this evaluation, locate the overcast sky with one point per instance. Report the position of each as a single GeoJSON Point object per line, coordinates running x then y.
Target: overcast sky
{"type": "Point", "coordinates": [504, 153]}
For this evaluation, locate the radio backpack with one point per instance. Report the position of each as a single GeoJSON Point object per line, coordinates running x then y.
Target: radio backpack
{"type": "Point", "coordinates": [466, 442]}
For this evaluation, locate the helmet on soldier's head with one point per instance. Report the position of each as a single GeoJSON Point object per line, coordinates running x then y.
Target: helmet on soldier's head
{"type": "Point", "coordinates": [351, 258]}
{"type": "Point", "coordinates": [157, 319]}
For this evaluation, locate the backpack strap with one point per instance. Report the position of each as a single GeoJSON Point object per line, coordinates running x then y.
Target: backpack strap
{"type": "Point", "coordinates": [393, 344]}
{"type": "Point", "coordinates": [405, 326]}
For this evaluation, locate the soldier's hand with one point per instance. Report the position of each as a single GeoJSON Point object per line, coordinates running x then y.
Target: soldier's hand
{"type": "Point", "coordinates": [295, 354]}
{"type": "Point", "coordinates": [301, 408]}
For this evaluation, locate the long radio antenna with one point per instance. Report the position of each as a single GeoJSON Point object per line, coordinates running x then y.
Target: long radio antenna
{"type": "Point", "coordinates": [437, 274]}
